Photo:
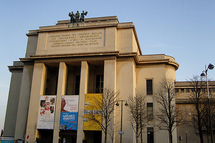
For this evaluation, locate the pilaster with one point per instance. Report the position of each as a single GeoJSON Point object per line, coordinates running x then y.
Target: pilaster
{"type": "Point", "coordinates": [22, 112]}
{"type": "Point", "coordinates": [37, 89]}
{"type": "Point", "coordinates": [61, 87]}
{"type": "Point", "coordinates": [110, 84]}
{"type": "Point", "coordinates": [83, 91]}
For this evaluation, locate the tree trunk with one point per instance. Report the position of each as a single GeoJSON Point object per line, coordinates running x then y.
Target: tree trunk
{"type": "Point", "coordinates": [201, 136]}
{"type": "Point", "coordinates": [208, 138]}
{"type": "Point", "coordinates": [106, 136]}
{"type": "Point", "coordinates": [106, 132]}
{"type": "Point", "coordinates": [170, 137]}
{"type": "Point", "coordinates": [141, 136]}
{"type": "Point", "coordinates": [137, 133]}
{"type": "Point", "coordinates": [200, 126]}
{"type": "Point", "coordinates": [136, 139]}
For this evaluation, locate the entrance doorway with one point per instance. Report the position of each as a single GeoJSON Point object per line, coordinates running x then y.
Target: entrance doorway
{"type": "Point", "coordinates": [67, 136]}
{"type": "Point", "coordinates": [45, 136]}
{"type": "Point", "coordinates": [93, 136]}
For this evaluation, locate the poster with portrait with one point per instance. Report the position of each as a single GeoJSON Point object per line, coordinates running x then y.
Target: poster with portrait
{"type": "Point", "coordinates": [46, 112]}
{"type": "Point", "coordinates": [69, 112]}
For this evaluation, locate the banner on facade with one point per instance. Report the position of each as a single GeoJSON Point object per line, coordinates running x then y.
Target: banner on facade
{"type": "Point", "coordinates": [69, 112]}
{"type": "Point", "coordinates": [46, 112]}
{"type": "Point", "coordinates": [93, 112]}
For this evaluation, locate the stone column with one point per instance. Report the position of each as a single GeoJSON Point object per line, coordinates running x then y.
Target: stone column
{"type": "Point", "coordinates": [83, 91]}
{"type": "Point", "coordinates": [13, 98]}
{"type": "Point", "coordinates": [37, 89]}
{"type": "Point", "coordinates": [22, 112]}
{"type": "Point", "coordinates": [61, 89]}
{"type": "Point", "coordinates": [126, 84]}
{"type": "Point", "coordinates": [109, 82]}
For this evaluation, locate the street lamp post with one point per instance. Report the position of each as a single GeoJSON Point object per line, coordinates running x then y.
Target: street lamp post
{"type": "Point", "coordinates": [117, 104]}
{"type": "Point", "coordinates": [205, 73]}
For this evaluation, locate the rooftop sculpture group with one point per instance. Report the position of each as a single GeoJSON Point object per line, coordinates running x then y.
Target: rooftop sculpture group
{"type": "Point", "coordinates": [75, 18]}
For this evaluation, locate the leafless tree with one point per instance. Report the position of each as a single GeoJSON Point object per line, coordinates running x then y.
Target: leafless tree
{"type": "Point", "coordinates": [198, 110]}
{"type": "Point", "coordinates": [106, 103]}
{"type": "Point", "coordinates": [205, 120]}
{"type": "Point", "coordinates": [138, 114]}
{"type": "Point", "coordinates": [167, 115]}
{"type": "Point", "coordinates": [200, 107]}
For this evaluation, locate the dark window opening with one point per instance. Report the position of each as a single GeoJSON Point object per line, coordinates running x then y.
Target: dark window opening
{"type": "Point", "coordinates": [150, 135]}
{"type": "Point", "coordinates": [67, 136]}
{"type": "Point", "coordinates": [45, 136]}
{"type": "Point", "coordinates": [77, 84]}
{"type": "Point", "coordinates": [93, 137]}
{"type": "Point", "coordinates": [73, 80]}
{"type": "Point", "coordinates": [99, 83]}
{"type": "Point", "coordinates": [150, 111]}
{"type": "Point", "coordinates": [51, 81]}
{"type": "Point", "coordinates": [149, 87]}
{"type": "Point", "coordinates": [203, 90]}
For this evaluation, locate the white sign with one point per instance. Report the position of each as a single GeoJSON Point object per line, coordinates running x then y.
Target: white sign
{"type": "Point", "coordinates": [46, 112]}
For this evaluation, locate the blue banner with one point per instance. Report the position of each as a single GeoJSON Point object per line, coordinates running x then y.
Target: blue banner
{"type": "Point", "coordinates": [7, 141]}
{"type": "Point", "coordinates": [68, 120]}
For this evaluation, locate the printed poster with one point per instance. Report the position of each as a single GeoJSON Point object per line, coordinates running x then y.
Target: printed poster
{"type": "Point", "coordinates": [46, 112]}
{"type": "Point", "coordinates": [69, 112]}
{"type": "Point", "coordinates": [92, 108]}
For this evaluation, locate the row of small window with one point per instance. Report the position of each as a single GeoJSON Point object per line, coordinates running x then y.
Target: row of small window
{"type": "Point", "coordinates": [182, 90]}
{"type": "Point", "coordinates": [51, 84]}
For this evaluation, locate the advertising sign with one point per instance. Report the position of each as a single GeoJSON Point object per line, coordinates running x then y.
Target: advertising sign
{"type": "Point", "coordinates": [92, 112]}
{"type": "Point", "coordinates": [46, 112]}
{"type": "Point", "coordinates": [69, 112]}
{"type": "Point", "coordinates": [6, 139]}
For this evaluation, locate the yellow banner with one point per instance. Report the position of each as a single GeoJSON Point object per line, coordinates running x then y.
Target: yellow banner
{"type": "Point", "coordinates": [92, 112]}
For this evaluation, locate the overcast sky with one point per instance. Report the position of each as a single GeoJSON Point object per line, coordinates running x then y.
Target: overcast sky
{"type": "Point", "coordinates": [184, 29]}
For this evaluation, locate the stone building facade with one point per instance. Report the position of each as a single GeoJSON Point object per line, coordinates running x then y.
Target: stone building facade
{"type": "Point", "coordinates": [72, 60]}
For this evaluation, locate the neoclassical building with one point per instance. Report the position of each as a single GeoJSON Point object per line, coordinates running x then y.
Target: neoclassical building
{"type": "Point", "coordinates": [68, 64]}
{"type": "Point", "coordinates": [185, 92]}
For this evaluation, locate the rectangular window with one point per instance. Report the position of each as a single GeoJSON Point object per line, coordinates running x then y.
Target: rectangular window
{"type": "Point", "coordinates": [149, 87]}
{"type": "Point", "coordinates": [150, 135]}
{"type": "Point", "coordinates": [99, 83]}
{"type": "Point", "coordinates": [77, 84]}
{"type": "Point", "coordinates": [150, 111]}
{"type": "Point", "coordinates": [182, 90]}
{"type": "Point", "coordinates": [203, 90]}
{"type": "Point", "coordinates": [176, 90]}
{"type": "Point", "coordinates": [187, 90]}
{"type": "Point", "coordinates": [51, 80]}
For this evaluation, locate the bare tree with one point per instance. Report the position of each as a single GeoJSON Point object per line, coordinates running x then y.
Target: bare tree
{"type": "Point", "coordinates": [200, 107]}
{"type": "Point", "coordinates": [198, 110]}
{"type": "Point", "coordinates": [167, 115]}
{"type": "Point", "coordinates": [138, 115]}
{"type": "Point", "coordinates": [206, 119]}
{"type": "Point", "coordinates": [106, 104]}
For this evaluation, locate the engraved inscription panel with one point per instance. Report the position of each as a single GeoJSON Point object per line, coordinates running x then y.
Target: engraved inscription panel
{"type": "Point", "coordinates": [76, 39]}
